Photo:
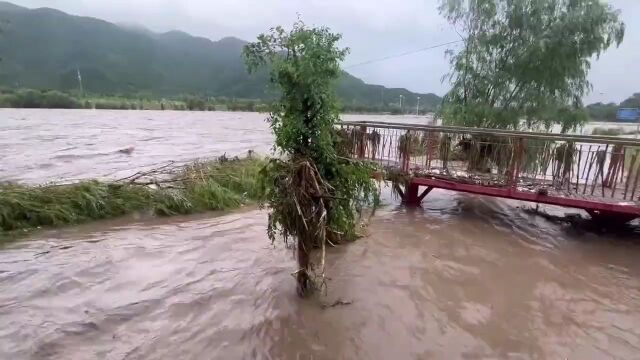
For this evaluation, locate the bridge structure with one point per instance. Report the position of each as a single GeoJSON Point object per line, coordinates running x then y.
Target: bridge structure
{"type": "Point", "coordinates": [599, 174]}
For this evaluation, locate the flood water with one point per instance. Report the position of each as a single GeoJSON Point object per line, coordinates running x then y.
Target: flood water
{"type": "Point", "coordinates": [464, 277]}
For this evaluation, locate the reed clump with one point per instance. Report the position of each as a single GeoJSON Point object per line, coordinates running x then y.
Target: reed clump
{"type": "Point", "coordinates": [218, 184]}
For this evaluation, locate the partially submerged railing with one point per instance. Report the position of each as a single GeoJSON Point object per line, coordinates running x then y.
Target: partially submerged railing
{"type": "Point", "coordinates": [602, 168]}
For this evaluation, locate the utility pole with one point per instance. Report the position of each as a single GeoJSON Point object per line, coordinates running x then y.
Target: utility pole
{"type": "Point", "coordinates": [418, 107]}
{"type": "Point", "coordinates": [80, 82]}
{"type": "Point", "coordinates": [401, 104]}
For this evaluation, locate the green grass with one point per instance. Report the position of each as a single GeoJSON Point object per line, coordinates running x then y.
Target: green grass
{"type": "Point", "coordinates": [201, 186]}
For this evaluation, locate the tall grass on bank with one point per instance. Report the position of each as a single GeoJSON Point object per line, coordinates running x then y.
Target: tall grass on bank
{"type": "Point", "coordinates": [207, 185]}
{"type": "Point", "coordinates": [27, 98]}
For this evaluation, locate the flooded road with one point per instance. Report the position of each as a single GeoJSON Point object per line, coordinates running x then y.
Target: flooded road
{"type": "Point", "coordinates": [464, 277]}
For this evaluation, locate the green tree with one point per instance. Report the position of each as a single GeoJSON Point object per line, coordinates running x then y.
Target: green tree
{"type": "Point", "coordinates": [525, 59]}
{"type": "Point", "coordinates": [313, 193]}
{"type": "Point", "coordinates": [631, 102]}
{"type": "Point", "coordinates": [602, 112]}
{"type": "Point", "coordinates": [195, 103]}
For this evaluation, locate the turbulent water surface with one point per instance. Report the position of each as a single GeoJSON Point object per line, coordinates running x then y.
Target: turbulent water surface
{"type": "Point", "coordinates": [463, 277]}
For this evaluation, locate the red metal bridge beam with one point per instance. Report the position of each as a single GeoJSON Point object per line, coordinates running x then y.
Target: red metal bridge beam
{"type": "Point", "coordinates": [592, 207]}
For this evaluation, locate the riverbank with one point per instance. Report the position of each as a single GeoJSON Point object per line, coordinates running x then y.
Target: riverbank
{"type": "Point", "coordinates": [613, 131]}
{"type": "Point", "coordinates": [218, 184]}
{"type": "Point", "coordinates": [53, 99]}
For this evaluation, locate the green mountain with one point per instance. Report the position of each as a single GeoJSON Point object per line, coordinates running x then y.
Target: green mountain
{"type": "Point", "coordinates": [44, 49]}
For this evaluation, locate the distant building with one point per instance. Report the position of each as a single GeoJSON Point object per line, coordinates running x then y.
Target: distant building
{"type": "Point", "coordinates": [630, 115]}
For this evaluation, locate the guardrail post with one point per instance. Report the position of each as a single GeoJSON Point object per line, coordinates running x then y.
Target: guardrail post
{"type": "Point", "coordinates": [432, 147]}
{"type": "Point", "coordinates": [516, 164]}
{"type": "Point", "coordinates": [362, 142]}
{"type": "Point", "coordinates": [616, 162]}
{"type": "Point", "coordinates": [404, 146]}
{"type": "Point", "coordinates": [405, 162]}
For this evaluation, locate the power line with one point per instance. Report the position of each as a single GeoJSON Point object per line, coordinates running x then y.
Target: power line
{"type": "Point", "coordinates": [402, 54]}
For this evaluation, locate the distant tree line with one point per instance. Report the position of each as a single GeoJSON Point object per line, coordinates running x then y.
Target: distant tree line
{"type": "Point", "coordinates": [392, 109]}
{"type": "Point", "coordinates": [28, 98]}
{"type": "Point", "coordinates": [54, 99]}
{"type": "Point", "coordinates": [607, 112]}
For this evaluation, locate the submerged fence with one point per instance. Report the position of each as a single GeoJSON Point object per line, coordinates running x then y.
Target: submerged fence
{"type": "Point", "coordinates": [597, 168]}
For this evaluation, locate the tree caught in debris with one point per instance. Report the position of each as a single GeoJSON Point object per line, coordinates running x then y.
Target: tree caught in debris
{"type": "Point", "coordinates": [314, 194]}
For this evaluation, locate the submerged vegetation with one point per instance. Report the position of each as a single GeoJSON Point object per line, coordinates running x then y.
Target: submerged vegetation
{"type": "Point", "coordinates": [169, 190]}
{"type": "Point", "coordinates": [313, 193]}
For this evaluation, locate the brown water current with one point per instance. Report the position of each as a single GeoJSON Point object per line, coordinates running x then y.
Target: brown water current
{"type": "Point", "coordinates": [464, 277]}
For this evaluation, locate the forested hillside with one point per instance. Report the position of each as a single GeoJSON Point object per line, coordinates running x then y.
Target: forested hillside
{"type": "Point", "coordinates": [44, 49]}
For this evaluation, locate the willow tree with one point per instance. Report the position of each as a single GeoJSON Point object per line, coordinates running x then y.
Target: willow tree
{"type": "Point", "coordinates": [314, 194]}
{"type": "Point", "coordinates": [525, 60]}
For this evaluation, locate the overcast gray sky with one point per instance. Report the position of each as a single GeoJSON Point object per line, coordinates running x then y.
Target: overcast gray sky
{"type": "Point", "coordinates": [372, 29]}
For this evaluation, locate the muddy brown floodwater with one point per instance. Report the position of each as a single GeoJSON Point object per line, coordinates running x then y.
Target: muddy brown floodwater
{"type": "Point", "coordinates": [464, 277]}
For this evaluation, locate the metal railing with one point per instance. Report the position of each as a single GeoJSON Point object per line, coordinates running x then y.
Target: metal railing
{"type": "Point", "coordinates": [601, 168]}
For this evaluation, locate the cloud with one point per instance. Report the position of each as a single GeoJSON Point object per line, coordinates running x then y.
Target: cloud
{"type": "Point", "coordinates": [372, 29]}
{"type": "Point", "coordinates": [613, 75]}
